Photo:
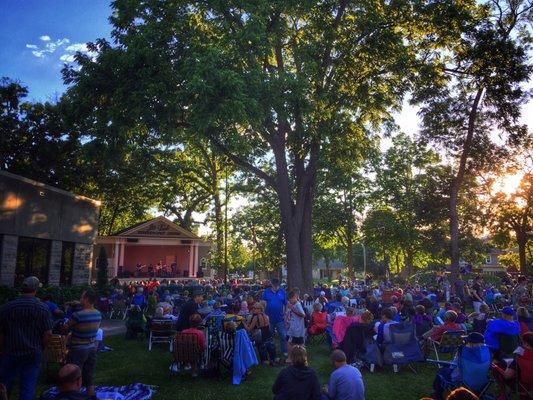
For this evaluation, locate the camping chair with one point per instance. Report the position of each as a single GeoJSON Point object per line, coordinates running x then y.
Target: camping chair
{"type": "Point", "coordinates": [186, 349]}
{"type": "Point", "coordinates": [474, 366]}
{"type": "Point", "coordinates": [449, 343]}
{"type": "Point", "coordinates": [404, 348]}
{"type": "Point", "coordinates": [118, 309]}
{"type": "Point", "coordinates": [357, 338]}
{"type": "Point", "coordinates": [161, 331]}
{"type": "Point", "coordinates": [55, 352]}
{"type": "Point", "coordinates": [227, 349]}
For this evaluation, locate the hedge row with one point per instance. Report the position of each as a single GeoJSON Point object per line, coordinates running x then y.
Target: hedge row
{"type": "Point", "coordinates": [58, 294]}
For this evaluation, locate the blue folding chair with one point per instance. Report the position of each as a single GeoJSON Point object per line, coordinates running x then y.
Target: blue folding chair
{"type": "Point", "coordinates": [470, 369]}
{"type": "Point", "coordinates": [404, 348]}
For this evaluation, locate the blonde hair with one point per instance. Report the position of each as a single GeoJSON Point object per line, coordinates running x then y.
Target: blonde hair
{"type": "Point", "coordinates": [299, 356]}
{"type": "Point", "coordinates": [367, 317]}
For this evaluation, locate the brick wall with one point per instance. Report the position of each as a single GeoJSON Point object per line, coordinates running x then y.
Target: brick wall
{"type": "Point", "coordinates": [82, 264]}
{"type": "Point", "coordinates": [8, 259]}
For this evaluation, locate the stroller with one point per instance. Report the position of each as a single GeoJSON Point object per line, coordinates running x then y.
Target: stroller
{"type": "Point", "coordinates": [470, 369]}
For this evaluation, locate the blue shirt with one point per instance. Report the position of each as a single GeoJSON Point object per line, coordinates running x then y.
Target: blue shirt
{"type": "Point", "coordinates": [346, 383]}
{"type": "Point", "coordinates": [497, 327]}
{"type": "Point", "coordinates": [275, 303]}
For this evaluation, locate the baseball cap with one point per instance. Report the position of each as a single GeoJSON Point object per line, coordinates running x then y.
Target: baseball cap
{"type": "Point", "coordinates": [31, 283]}
{"type": "Point", "coordinates": [475, 337]}
{"type": "Point", "coordinates": [508, 310]}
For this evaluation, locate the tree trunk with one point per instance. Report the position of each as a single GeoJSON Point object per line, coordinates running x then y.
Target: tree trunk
{"type": "Point", "coordinates": [457, 181]}
{"type": "Point", "coordinates": [349, 254]}
{"type": "Point", "coordinates": [522, 243]}
{"type": "Point", "coordinates": [409, 262]}
{"type": "Point", "coordinates": [219, 227]}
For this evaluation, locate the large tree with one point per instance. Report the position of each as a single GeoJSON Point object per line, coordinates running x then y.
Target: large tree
{"type": "Point", "coordinates": [471, 100]}
{"type": "Point", "coordinates": [272, 84]}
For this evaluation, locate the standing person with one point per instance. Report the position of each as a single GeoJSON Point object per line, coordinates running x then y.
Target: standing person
{"type": "Point", "coordinates": [296, 321]}
{"type": "Point", "coordinates": [459, 288]}
{"type": "Point", "coordinates": [188, 309]}
{"type": "Point", "coordinates": [83, 326]}
{"type": "Point", "coordinates": [25, 328]}
{"type": "Point", "coordinates": [346, 382]}
{"type": "Point", "coordinates": [276, 300]}
{"type": "Point", "coordinates": [297, 381]}
{"type": "Point", "coordinates": [477, 293]}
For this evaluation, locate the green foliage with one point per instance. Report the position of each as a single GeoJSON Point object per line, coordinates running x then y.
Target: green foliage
{"type": "Point", "coordinates": [58, 294]}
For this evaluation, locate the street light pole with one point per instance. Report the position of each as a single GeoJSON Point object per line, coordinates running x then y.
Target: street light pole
{"type": "Point", "coordinates": [364, 259]}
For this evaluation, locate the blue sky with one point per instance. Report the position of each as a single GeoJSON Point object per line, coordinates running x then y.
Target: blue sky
{"type": "Point", "coordinates": [37, 36]}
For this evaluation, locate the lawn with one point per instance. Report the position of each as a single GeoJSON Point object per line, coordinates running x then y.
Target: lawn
{"type": "Point", "coordinates": [131, 362]}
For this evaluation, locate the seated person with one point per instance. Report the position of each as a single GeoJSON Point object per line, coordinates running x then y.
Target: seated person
{"type": "Point", "coordinates": [472, 372]}
{"type": "Point", "coordinates": [449, 325]}
{"type": "Point", "coordinates": [233, 316]}
{"type": "Point", "coordinates": [382, 328]}
{"type": "Point", "coordinates": [341, 323]}
{"type": "Point", "coordinates": [195, 320]}
{"type": "Point", "coordinates": [346, 382]}
{"type": "Point", "coordinates": [297, 381]}
{"type": "Point", "coordinates": [217, 310]}
{"type": "Point", "coordinates": [259, 328]}
{"type": "Point", "coordinates": [319, 320]}
{"type": "Point", "coordinates": [139, 299]}
{"type": "Point", "coordinates": [421, 321]}
{"type": "Point", "coordinates": [504, 325]}
{"type": "Point", "coordinates": [525, 320]}
{"type": "Point", "coordinates": [480, 319]}
{"type": "Point", "coordinates": [135, 323]}
{"type": "Point", "coordinates": [69, 383]}
{"type": "Point", "coordinates": [522, 368]}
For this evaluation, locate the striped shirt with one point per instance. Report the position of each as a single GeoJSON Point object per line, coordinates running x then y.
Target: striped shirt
{"type": "Point", "coordinates": [84, 325]}
{"type": "Point", "coordinates": [23, 323]}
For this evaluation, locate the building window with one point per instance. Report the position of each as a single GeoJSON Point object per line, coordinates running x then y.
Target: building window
{"type": "Point", "coordinates": [67, 263]}
{"type": "Point", "coordinates": [488, 259]}
{"type": "Point", "coordinates": [33, 258]}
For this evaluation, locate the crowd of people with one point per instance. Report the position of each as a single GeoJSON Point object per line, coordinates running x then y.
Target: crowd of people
{"type": "Point", "coordinates": [483, 313]}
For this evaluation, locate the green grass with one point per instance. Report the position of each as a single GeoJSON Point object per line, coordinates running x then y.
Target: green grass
{"type": "Point", "coordinates": [131, 362]}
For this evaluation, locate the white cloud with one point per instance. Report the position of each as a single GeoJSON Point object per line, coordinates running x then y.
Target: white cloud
{"type": "Point", "coordinates": [49, 47]}
{"type": "Point", "coordinates": [67, 58]}
{"type": "Point", "coordinates": [78, 47]}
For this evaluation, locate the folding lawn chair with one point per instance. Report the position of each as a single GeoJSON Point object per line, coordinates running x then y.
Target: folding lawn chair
{"type": "Point", "coordinates": [161, 331]}
{"type": "Point", "coordinates": [55, 352]}
{"type": "Point", "coordinates": [404, 348]}
{"type": "Point", "coordinates": [186, 349]}
{"type": "Point", "coordinates": [449, 343]}
{"type": "Point", "coordinates": [471, 369]}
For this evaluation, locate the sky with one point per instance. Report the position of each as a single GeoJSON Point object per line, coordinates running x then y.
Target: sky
{"type": "Point", "coordinates": [38, 36]}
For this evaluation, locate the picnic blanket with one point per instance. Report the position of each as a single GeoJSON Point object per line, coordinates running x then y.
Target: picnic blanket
{"type": "Point", "coordinates": [135, 391]}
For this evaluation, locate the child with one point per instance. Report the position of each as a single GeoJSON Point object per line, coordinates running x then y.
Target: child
{"type": "Point", "coordinates": [295, 322]}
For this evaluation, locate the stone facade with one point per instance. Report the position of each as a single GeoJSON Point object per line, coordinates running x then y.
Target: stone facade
{"type": "Point", "coordinates": [47, 219]}
{"type": "Point", "coordinates": [8, 259]}
{"type": "Point", "coordinates": [81, 271]}
{"type": "Point", "coordinates": [54, 269]}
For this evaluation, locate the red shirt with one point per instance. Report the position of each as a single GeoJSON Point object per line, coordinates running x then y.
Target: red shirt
{"type": "Point", "coordinates": [200, 334]}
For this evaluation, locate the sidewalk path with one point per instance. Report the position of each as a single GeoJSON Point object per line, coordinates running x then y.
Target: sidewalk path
{"type": "Point", "coordinates": [113, 327]}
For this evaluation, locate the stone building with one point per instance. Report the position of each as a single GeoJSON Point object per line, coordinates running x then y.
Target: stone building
{"type": "Point", "coordinates": [46, 232]}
